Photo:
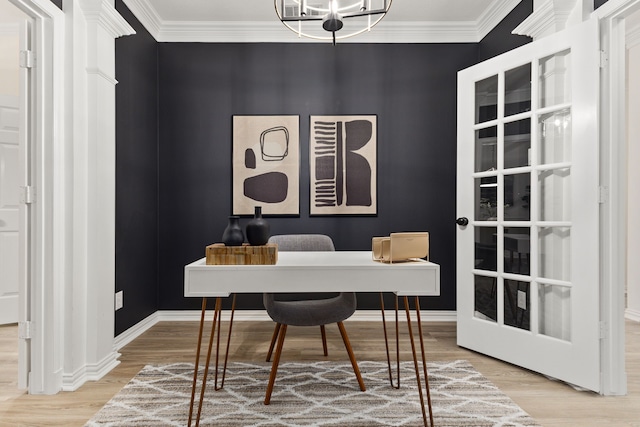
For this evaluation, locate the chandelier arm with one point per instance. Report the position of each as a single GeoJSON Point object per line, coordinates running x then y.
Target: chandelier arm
{"type": "Point", "coordinates": [302, 18]}
{"type": "Point", "coordinates": [358, 14]}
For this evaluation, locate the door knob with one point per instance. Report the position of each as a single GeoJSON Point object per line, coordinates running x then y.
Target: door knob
{"type": "Point", "coordinates": [462, 221]}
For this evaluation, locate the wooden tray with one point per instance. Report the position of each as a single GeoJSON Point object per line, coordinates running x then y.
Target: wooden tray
{"type": "Point", "coordinates": [219, 254]}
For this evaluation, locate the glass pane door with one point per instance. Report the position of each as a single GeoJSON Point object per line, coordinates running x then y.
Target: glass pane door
{"type": "Point", "coordinates": [502, 180]}
{"type": "Point", "coordinates": [527, 180]}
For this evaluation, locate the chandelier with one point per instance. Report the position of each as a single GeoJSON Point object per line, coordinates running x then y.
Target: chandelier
{"type": "Point", "coordinates": [345, 17]}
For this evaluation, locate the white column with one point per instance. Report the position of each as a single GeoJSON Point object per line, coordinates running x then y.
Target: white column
{"type": "Point", "coordinates": [92, 27]}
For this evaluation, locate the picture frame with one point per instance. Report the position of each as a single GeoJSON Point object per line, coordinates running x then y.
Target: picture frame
{"type": "Point", "coordinates": [266, 164]}
{"type": "Point", "coordinates": [343, 165]}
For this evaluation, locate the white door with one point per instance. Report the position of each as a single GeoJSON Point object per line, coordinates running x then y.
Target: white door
{"type": "Point", "coordinates": [15, 101]}
{"type": "Point", "coordinates": [10, 181]}
{"type": "Point", "coordinates": [527, 261]}
{"type": "Point", "coordinates": [14, 36]}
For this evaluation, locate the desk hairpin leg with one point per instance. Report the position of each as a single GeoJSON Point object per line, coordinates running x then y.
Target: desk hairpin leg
{"type": "Point", "coordinates": [415, 359]}
{"type": "Point", "coordinates": [217, 320]}
{"type": "Point", "coordinates": [226, 354]}
{"type": "Point", "coordinates": [195, 368]}
{"type": "Point", "coordinates": [386, 343]}
{"type": "Point", "coordinates": [413, 350]}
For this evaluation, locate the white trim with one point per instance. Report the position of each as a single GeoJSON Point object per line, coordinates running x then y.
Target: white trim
{"type": "Point", "coordinates": [99, 72]}
{"type": "Point", "coordinates": [257, 316]}
{"type": "Point", "coordinates": [493, 15]}
{"type": "Point", "coordinates": [89, 372]}
{"type": "Point", "coordinates": [72, 333]}
{"type": "Point", "coordinates": [612, 16]}
{"type": "Point", "coordinates": [44, 302]}
{"type": "Point", "coordinates": [92, 29]}
{"type": "Point", "coordinates": [539, 23]}
{"type": "Point", "coordinates": [553, 16]}
{"type": "Point", "coordinates": [275, 32]}
{"type": "Point", "coordinates": [147, 15]}
{"type": "Point", "coordinates": [135, 331]}
{"type": "Point", "coordinates": [632, 315]}
{"type": "Point", "coordinates": [107, 17]}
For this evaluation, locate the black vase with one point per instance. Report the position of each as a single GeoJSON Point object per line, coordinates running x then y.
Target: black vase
{"type": "Point", "coordinates": [258, 229]}
{"type": "Point", "coordinates": [232, 235]}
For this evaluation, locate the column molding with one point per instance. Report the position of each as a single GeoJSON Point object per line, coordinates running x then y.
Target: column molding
{"type": "Point", "coordinates": [102, 12]}
{"type": "Point", "coordinates": [93, 26]}
{"type": "Point", "coordinates": [552, 16]}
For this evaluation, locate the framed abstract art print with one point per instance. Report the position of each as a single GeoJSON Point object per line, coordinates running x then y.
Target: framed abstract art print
{"type": "Point", "coordinates": [343, 165]}
{"type": "Point", "coordinates": [266, 164]}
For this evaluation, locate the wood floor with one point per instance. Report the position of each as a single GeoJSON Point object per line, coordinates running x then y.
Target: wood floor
{"type": "Point", "coordinates": [550, 403]}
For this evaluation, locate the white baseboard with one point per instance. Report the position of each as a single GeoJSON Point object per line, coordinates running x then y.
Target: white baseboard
{"type": "Point", "coordinates": [135, 331]}
{"type": "Point", "coordinates": [257, 315]}
{"type": "Point", "coordinates": [632, 314]}
{"type": "Point", "coordinates": [90, 372]}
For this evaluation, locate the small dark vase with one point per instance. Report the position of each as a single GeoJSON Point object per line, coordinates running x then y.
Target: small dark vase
{"type": "Point", "coordinates": [232, 235]}
{"type": "Point", "coordinates": [258, 229]}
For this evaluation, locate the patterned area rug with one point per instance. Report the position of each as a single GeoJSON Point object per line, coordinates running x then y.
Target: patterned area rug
{"type": "Point", "coordinates": [313, 394]}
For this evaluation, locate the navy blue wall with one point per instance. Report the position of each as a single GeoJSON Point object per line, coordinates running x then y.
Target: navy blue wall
{"type": "Point", "coordinates": [175, 102]}
{"type": "Point", "coordinates": [136, 174]}
{"type": "Point", "coordinates": [411, 88]}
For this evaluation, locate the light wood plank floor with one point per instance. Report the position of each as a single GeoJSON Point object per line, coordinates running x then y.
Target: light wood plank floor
{"type": "Point", "coordinates": [551, 403]}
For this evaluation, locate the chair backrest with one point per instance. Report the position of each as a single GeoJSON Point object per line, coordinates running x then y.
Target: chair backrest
{"type": "Point", "coordinates": [303, 242]}
{"type": "Point", "coordinates": [287, 315]}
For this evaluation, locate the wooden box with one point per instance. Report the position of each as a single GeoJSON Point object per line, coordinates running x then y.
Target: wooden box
{"type": "Point", "coordinates": [400, 247]}
{"type": "Point", "coordinates": [219, 254]}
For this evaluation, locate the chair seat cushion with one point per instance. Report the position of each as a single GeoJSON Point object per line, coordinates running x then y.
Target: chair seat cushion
{"type": "Point", "coordinates": [311, 312]}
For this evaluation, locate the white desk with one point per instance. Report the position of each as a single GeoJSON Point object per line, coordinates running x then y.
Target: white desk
{"type": "Point", "coordinates": [341, 271]}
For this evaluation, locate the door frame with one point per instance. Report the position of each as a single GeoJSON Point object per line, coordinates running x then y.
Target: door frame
{"type": "Point", "coordinates": [41, 295]}
{"type": "Point", "coordinates": [70, 298]}
{"type": "Point", "coordinates": [613, 180]}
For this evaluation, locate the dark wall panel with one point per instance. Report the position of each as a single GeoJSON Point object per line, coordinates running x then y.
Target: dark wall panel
{"type": "Point", "coordinates": [136, 174]}
{"type": "Point", "coordinates": [57, 3]}
{"type": "Point", "coordinates": [412, 90]}
{"type": "Point", "coordinates": [500, 39]}
{"type": "Point", "coordinates": [598, 3]}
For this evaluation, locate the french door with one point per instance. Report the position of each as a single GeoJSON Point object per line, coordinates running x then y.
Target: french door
{"type": "Point", "coordinates": [528, 198]}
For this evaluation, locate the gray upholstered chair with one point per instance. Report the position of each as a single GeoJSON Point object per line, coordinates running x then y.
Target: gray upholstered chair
{"type": "Point", "coordinates": [306, 312]}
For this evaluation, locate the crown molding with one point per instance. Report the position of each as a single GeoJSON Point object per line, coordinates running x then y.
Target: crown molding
{"type": "Point", "coordinates": [104, 14]}
{"type": "Point", "coordinates": [540, 22]}
{"type": "Point", "coordinates": [547, 19]}
{"type": "Point", "coordinates": [147, 16]}
{"type": "Point", "coordinates": [493, 15]}
{"type": "Point", "coordinates": [275, 32]}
